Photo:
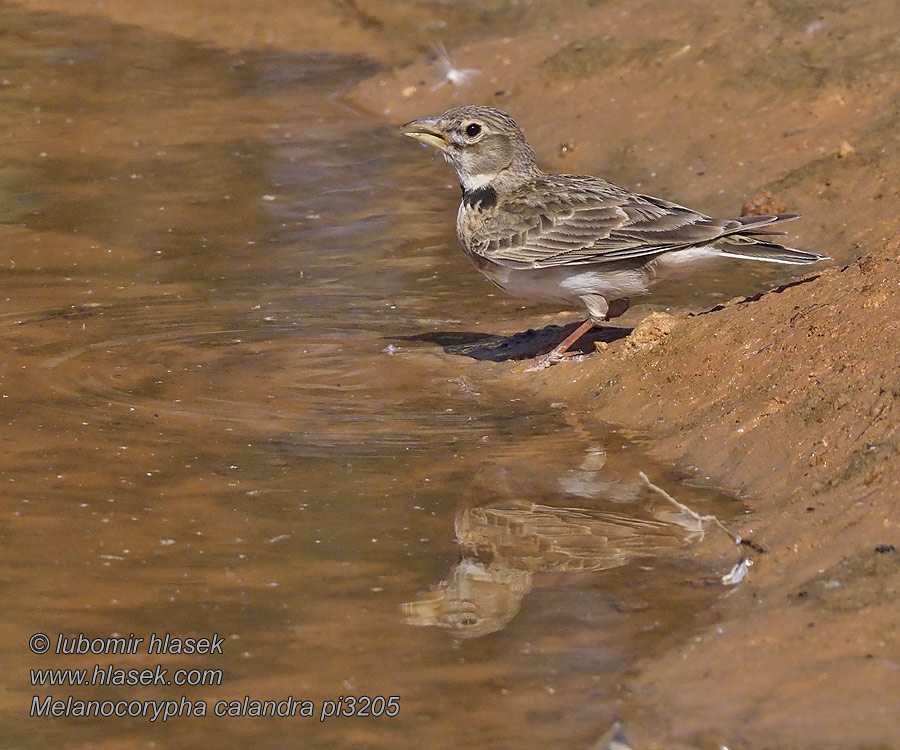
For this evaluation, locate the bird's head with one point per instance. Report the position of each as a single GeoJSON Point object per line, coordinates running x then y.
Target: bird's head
{"type": "Point", "coordinates": [483, 145]}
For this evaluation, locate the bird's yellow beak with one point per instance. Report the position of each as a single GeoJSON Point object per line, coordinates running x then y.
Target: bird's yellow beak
{"type": "Point", "coordinates": [426, 131]}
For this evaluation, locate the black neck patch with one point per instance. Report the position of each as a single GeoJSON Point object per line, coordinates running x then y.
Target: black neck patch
{"type": "Point", "coordinates": [483, 197]}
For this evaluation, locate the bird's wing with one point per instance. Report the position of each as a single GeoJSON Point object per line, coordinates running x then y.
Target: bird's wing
{"type": "Point", "coordinates": [569, 220]}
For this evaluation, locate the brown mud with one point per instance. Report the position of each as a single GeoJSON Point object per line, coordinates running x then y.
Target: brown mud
{"type": "Point", "coordinates": [789, 396]}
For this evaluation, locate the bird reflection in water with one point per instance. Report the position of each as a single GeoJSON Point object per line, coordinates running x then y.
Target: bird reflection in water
{"type": "Point", "coordinates": [504, 543]}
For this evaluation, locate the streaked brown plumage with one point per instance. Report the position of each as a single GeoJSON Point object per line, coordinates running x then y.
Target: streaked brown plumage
{"type": "Point", "coordinates": [569, 238]}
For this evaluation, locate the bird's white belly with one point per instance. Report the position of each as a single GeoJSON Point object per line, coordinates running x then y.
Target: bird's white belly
{"type": "Point", "coordinates": [676, 258]}
{"type": "Point", "coordinates": [568, 284]}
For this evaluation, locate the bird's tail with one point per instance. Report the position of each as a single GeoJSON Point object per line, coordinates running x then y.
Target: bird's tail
{"type": "Point", "coordinates": [749, 241]}
{"type": "Point", "coordinates": [749, 248]}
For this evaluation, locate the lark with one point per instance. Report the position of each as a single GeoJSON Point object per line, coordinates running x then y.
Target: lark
{"type": "Point", "coordinates": [572, 239]}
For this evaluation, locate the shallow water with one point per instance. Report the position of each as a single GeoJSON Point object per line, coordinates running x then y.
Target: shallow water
{"type": "Point", "coordinates": [224, 415]}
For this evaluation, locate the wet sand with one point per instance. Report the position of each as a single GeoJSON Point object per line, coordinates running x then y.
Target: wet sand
{"type": "Point", "coordinates": [787, 398]}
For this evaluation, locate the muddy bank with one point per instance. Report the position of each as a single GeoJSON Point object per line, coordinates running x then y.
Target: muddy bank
{"type": "Point", "coordinates": [790, 399]}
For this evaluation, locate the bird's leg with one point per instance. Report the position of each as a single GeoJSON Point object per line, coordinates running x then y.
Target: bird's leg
{"type": "Point", "coordinates": [599, 310]}
{"type": "Point", "coordinates": [563, 347]}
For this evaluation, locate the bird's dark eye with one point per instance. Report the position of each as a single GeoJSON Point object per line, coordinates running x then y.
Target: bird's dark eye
{"type": "Point", "coordinates": [473, 129]}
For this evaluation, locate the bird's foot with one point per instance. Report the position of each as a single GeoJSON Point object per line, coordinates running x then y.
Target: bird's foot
{"type": "Point", "coordinates": [561, 351]}
{"type": "Point", "coordinates": [542, 363]}
{"type": "Point", "coordinates": [550, 359]}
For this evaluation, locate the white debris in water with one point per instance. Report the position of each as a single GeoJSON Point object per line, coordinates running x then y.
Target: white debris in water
{"type": "Point", "coordinates": [390, 349]}
{"type": "Point", "coordinates": [815, 26]}
{"type": "Point", "coordinates": [740, 570]}
{"type": "Point", "coordinates": [738, 573]}
{"type": "Point", "coordinates": [451, 74]}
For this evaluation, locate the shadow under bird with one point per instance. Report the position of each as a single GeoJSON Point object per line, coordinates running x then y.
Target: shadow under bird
{"type": "Point", "coordinates": [577, 240]}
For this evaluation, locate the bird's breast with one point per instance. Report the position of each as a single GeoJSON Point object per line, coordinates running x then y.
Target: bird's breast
{"type": "Point", "coordinates": [472, 224]}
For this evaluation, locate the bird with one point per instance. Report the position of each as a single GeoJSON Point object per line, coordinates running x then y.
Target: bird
{"type": "Point", "coordinates": [575, 239]}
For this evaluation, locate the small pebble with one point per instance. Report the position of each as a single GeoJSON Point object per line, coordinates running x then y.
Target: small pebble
{"type": "Point", "coordinates": [845, 150]}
